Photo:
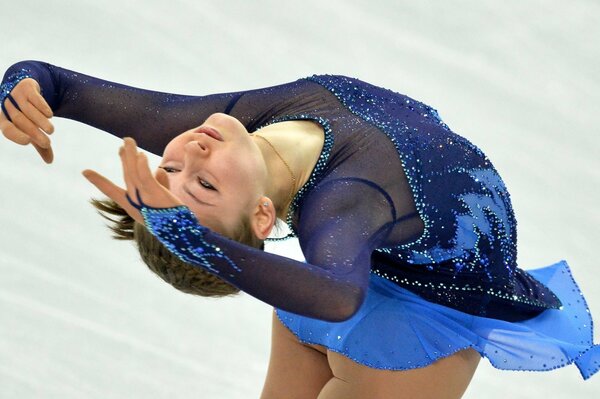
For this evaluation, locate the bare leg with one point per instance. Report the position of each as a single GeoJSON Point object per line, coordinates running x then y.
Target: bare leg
{"type": "Point", "coordinates": [296, 371]}
{"type": "Point", "coordinates": [447, 378]}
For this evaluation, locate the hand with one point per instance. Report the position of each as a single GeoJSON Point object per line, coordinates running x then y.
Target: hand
{"type": "Point", "coordinates": [153, 190]}
{"type": "Point", "coordinates": [30, 122]}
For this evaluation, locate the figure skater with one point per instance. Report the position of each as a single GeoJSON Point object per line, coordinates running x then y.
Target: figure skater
{"type": "Point", "coordinates": [407, 229]}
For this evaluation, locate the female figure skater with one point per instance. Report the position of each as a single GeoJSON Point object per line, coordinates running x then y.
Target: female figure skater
{"type": "Point", "coordinates": [407, 229]}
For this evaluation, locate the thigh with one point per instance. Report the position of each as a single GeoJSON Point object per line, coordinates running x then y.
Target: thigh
{"type": "Point", "coordinates": [296, 371]}
{"type": "Point", "coordinates": [447, 378]}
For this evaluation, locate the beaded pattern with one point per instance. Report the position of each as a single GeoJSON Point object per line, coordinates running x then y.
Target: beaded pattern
{"type": "Point", "coordinates": [464, 203]}
{"type": "Point", "coordinates": [469, 238]}
{"type": "Point", "coordinates": [10, 83]}
{"type": "Point", "coordinates": [451, 290]}
{"type": "Point", "coordinates": [317, 171]}
{"type": "Point", "coordinates": [180, 232]}
{"type": "Point", "coordinates": [531, 345]}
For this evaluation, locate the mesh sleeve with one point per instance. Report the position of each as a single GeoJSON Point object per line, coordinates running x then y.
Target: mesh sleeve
{"type": "Point", "coordinates": [151, 118]}
{"type": "Point", "coordinates": [342, 221]}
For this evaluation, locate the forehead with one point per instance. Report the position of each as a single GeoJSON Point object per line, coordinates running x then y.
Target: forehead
{"type": "Point", "coordinates": [222, 218]}
{"type": "Point", "coordinates": [215, 223]}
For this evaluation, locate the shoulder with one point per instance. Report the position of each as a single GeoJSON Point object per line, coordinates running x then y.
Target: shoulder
{"type": "Point", "coordinates": [323, 78]}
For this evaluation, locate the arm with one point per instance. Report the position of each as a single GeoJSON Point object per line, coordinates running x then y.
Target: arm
{"type": "Point", "coordinates": [341, 222]}
{"type": "Point", "coordinates": [151, 118]}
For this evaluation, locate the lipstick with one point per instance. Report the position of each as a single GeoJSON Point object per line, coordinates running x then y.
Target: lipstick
{"type": "Point", "coordinates": [209, 131]}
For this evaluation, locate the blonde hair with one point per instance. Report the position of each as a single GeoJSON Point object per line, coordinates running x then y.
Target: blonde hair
{"type": "Point", "coordinates": [181, 275]}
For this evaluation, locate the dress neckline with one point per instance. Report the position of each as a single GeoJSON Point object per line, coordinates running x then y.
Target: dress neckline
{"type": "Point", "coordinates": [317, 171]}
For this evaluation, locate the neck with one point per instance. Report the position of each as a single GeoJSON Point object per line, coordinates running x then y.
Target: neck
{"type": "Point", "coordinates": [281, 168]}
{"type": "Point", "coordinates": [297, 144]}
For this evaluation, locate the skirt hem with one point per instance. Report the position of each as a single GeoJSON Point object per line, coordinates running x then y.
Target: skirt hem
{"type": "Point", "coordinates": [397, 330]}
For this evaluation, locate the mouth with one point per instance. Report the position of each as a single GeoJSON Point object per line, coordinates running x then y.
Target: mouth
{"type": "Point", "coordinates": [209, 131]}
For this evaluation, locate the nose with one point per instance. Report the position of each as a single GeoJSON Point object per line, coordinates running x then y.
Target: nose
{"type": "Point", "coordinates": [196, 153]}
{"type": "Point", "coordinates": [196, 148]}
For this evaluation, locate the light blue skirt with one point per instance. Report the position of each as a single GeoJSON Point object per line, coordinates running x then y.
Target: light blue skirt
{"type": "Point", "coordinates": [397, 330]}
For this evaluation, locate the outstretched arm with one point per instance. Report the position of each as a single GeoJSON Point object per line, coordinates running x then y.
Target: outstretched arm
{"type": "Point", "coordinates": [151, 118]}
{"type": "Point", "coordinates": [346, 219]}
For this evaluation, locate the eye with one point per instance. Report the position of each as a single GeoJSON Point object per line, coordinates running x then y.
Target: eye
{"type": "Point", "coordinates": [206, 184]}
{"type": "Point", "coordinates": [168, 169]}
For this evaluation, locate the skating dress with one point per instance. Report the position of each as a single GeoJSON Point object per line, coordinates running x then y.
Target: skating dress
{"type": "Point", "coordinates": [407, 228]}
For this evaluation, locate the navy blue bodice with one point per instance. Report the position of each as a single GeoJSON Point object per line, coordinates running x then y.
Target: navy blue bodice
{"type": "Point", "coordinates": [395, 192]}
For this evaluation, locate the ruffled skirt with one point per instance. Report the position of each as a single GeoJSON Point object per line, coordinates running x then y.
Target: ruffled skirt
{"type": "Point", "coordinates": [397, 330]}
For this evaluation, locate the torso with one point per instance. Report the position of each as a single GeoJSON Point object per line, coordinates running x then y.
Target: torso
{"type": "Point", "coordinates": [463, 237]}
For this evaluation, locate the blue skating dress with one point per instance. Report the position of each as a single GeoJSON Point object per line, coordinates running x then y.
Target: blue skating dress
{"type": "Point", "coordinates": [401, 219]}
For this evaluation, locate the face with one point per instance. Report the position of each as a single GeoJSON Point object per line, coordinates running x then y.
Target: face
{"type": "Point", "coordinates": [216, 170]}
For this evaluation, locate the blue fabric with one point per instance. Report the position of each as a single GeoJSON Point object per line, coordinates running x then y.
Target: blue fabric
{"type": "Point", "coordinates": [394, 192]}
{"type": "Point", "coordinates": [397, 206]}
{"type": "Point", "coordinates": [398, 330]}
{"type": "Point", "coordinates": [8, 83]}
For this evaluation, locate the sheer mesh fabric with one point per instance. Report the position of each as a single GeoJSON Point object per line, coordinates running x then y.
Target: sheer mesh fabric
{"type": "Point", "coordinates": [360, 201]}
{"type": "Point", "coordinates": [396, 201]}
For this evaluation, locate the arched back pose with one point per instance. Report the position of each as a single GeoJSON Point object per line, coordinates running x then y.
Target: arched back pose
{"type": "Point", "coordinates": [407, 229]}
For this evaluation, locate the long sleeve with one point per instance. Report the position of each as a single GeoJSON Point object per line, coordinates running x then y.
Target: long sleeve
{"type": "Point", "coordinates": [151, 118]}
{"type": "Point", "coordinates": [454, 225]}
{"type": "Point", "coordinates": [344, 221]}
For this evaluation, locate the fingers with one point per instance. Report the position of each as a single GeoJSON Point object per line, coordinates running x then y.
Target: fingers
{"type": "Point", "coordinates": [114, 192]}
{"type": "Point", "coordinates": [37, 117]}
{"type": "Point", "coordinates": [137, 163]}
{"type": "Point", "coordinates": [25, 118]}
{"type": "Point", "coordinates": [46, 153]}
{"type": "Point", "coordinates": [162, 177]}
{"type": "Point", "coordinates": [105, 185]}
{"type": "Point", "coordinates": [25, 125]}
{"type": "Point", "coordinates": [11, 132]}
{"type": "Point", "coordinates": [139, 179]}
{"type": "Point", "coordinates": [138, 171]}
{"type": "Point", "coordinates": [145, 176]}
{"type": "Point", "coordinates": [28, 91]}
{"type": "Point", "coordinates": [128, 154]}
{"type": "Point", "coordinates": [27, 96]}
{"type": "Point", "coordinates": [36, 99]}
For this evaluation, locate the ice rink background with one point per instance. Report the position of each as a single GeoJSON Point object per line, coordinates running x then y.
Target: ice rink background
{"type": "Point", "coordinates": [81, 317]}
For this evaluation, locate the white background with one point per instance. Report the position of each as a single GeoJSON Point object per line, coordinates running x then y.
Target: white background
{"type": "Point", "coordinates": [81, 317]}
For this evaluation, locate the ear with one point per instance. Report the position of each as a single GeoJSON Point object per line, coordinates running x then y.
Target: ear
{"type": "Point", "coordinates": [263, 218]}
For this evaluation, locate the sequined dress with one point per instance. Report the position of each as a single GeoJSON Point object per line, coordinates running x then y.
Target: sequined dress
{"type": "Point", "coordinates": [401, 219]}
